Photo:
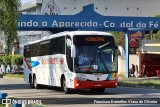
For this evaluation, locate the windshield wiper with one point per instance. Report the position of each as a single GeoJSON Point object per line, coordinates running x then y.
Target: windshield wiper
{"type": "Point", "coordinates": [103, 45]}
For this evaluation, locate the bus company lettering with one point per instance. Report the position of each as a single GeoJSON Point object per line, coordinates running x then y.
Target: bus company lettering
{"type": "Point", "coordinates": [95, 39]}
{"type": "Point", "coordinates": [62, 60]}
{"type": "Point", "coordinates": [49, 61]}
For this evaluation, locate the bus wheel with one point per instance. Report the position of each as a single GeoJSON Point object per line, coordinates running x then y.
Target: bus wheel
{"type": "Point", "coordinates": [65, 89]}
{"type": "Point", "coordinates": [31, 82]}
{"type": "Point", "coordinates": [101, 90]}
{"type": "Point", "coordinates": [36, 86]}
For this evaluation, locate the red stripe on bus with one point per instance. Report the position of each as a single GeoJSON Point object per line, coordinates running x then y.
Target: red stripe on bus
{"type": "Point", "coordinates": [94, 84]}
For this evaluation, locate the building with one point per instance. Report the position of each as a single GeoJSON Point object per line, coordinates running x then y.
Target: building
{"type": "Point", "coordinates": [133, 8]}
{"type": "Point", "coordinates": [72, 7]}
{"type": "Point", "coordinates": [149, 54]}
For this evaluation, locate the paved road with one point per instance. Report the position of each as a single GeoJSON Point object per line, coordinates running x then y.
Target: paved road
{"type": "Point", "coordinates": [20, 89]}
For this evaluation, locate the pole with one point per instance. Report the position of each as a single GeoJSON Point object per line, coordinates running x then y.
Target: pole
{"type": "Point", "coordinates": [127, 52]}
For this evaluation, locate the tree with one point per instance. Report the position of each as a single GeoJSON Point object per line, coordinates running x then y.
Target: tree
{"type": "Point", "coordinates": [153, 34]}
{"type": "Point", "coordinates": [8, 18]}
{"type": "Point", "coordinates": [17, 60]}
{"type": "Point", "coordinates": [119, 38]}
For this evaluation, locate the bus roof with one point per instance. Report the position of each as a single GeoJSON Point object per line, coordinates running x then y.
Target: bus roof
{"type": "Point", "coordinates": [72, 33]}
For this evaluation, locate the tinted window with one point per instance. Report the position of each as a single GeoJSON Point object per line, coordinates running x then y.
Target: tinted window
{"type": "Point", "coordinates": [44, 47]}
{"type": "Point", "coordinates": [57, 45]}
{"type": "Point", "coordinates": [47, 47]}
{"type": "Point", "coordinates": [26, 52]}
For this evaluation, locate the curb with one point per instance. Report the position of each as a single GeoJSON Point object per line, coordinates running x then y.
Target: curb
{"type": "Point", "coordinates": [138, 86]}
{"type": "Point", "coordinates": [138, 79]}
{"type": "Point", "coordinates": [13, 78]}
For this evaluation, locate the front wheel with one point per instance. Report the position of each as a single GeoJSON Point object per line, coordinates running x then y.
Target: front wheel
{"type": "Point", "coordinates": [64, 87]}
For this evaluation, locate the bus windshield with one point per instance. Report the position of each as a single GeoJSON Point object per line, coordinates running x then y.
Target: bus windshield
{"type": "Point", "coordinates": [95, 54]}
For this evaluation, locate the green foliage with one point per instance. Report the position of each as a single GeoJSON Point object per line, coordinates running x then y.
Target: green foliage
{"type": "Point", "coordinates": [14, 75]}
{"type": "Point", "coordinates": [17, 60]}
{"type": "Point", "coordinates": [143, 83]}
{"type": "Point", "coordinates": [119, 38]}
{"type": "Point", "coordinates": [8, 19]}
{"type": "Point", "coordinates": [1, 60]}
{"type": "Point", "coordinates": [157, 15]}
{"type": "Point", "coordinates": [2, 105]}
{"type": "Point", "coordinates": [7, 60]}
{"type": "Point", "coordinates": [11, 59]}
{"type": "Point", "coordinates": [152, 36]}
{"type": "Point", "coordinates": [1, 46]}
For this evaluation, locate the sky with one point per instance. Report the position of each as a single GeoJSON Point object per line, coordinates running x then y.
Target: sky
{"type": "Point", "coordinates": [24, 1]}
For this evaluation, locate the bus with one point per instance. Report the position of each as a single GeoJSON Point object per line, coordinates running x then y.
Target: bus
{"type": "Point", "coordinates": [72, 60]}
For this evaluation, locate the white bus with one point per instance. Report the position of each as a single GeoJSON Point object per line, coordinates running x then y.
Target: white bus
{"type": "Point", "coordinates": [72, 60]}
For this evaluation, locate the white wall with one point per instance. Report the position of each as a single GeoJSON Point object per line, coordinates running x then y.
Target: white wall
{"type": "Point", "coordinates": [106, 7]}
{"type": "Point", "coordinates": [133, 59]}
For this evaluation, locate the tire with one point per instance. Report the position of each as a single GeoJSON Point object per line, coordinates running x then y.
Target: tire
{"type": "Point", "coordinates": [31, 82]}
{"type": "Point", "coordinates": [64, 88]}
{"type": "Point", "coordinates": [35, 85]}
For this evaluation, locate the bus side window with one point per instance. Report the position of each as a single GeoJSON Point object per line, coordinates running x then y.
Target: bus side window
{"type": "Point", "coordinates": [54, 46]}
{"type": "Point", "coordinates": [32, 50]}
{"type": "Point", "coordinates": [25, 52]}
{"type": "Point", "coordinates": [68, 54]}
{"type": "Point", "coordinates": [44, 48]}
{"type": "Point", "coordinates": [57, 46]}
{"type": "Point", "coordinates": [62, 45]}
{"type": "Point", "coordinates": [37, 49]}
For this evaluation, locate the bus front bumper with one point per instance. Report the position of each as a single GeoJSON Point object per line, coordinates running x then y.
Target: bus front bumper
{"type": "Point", "coordinates": [95, 84]}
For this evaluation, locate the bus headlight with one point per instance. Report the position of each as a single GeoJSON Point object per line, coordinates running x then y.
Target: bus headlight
{"type": "Point", "coordinates": [80, 79]}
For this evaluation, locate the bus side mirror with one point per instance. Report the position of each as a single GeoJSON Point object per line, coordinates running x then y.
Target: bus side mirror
{"type": "Point", "coordinates": [122, 52]}
{"type": "Point", "coordinates": [73, 51]}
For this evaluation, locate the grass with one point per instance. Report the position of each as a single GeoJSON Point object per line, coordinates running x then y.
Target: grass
{"type": "Point", "coordinates": [144, 83]}
{"type": "Point", "coordinates": [1, 105]}
{"type": "Point", "coordinates": [13, 75]}
{"type": "Point", "coordinates": [1, 74]}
